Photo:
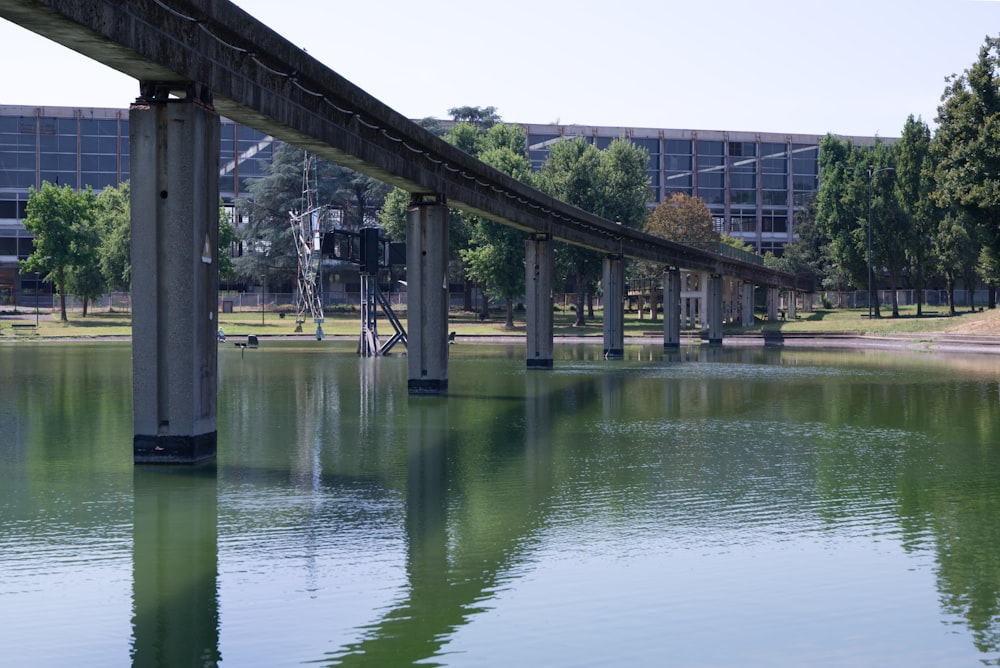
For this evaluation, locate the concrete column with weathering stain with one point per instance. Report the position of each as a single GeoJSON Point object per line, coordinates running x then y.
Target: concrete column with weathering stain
{"type": "Point", "coordinates": [539, 267]}
{"type": "Point", "coordinates": [672, 309]}
{"type": "Point", "coordinates": [715, 309]}
{"type": "Point", "coordinates": [174, 148]}
{"type": "Point", "coordinates": [614, 307]}
{"type": "Point", "coordinates": [427, 294]}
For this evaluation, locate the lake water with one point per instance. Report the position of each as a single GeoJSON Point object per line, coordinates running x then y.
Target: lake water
{"type": "Point", "coordinates": [718, 507]}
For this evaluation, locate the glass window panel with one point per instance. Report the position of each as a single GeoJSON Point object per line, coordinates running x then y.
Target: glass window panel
{"type": "Point", "coordinates": [738, 181]}
{"type": "Point", "coordinates": [678, 180]}
{"type": "Point", "coordinates": [9, 124]}
{"type": "Point", "coordinates": [66, 162]}
{"type": "Point", "coordinates": [677, 163]}
{"type": "Point", "coordinates": [800, 166]}
{"type": "Point", "coordinates": [67, 143]}
{"type": "Point", "coordinates": [708, 161]}
{"type": "Point", "coordinates": [89, 145]}
{"type": "Point", "coordinates": [226, 184]}
{"type": "Point", "coordinates": [651, 145]}
{"type": "Point", "coordinates": [8, 179]}
{"type": "Point", "coordinates": [677, 146]}
{"type": "Point", "coordinates": [25, 179]}
{"type": "Point", "coordinates": [66, 126]}
{"type": "Point", "coordinates": [107, 163]}
{"type": "Point", "coordinates": [710, 148]}
{"type": "Point", "coordinates": [671, 190]}
{"type": "Point", "coordinates": [775, 181]}
{"type": "Point", "coordinates": [48, 143]}
{"type": "Point", "coordinates": [26, 161]}
{"type": "Point", "coordinates": [774, 197]}
{"type": "Point", "coordinates": [107, 128]}
{"type": "Point", "coordinates": [712, 195]}
{"type": "Point", "coordinates": [711, 180]}
{"type": "Point", "coordinates": [743, 196]}
{"type": "Point", "coordinates": [804, 183]}
{"type": "Point", "coordinates": [773, 150]}
{"type": "Point", "coordinates": [89, 126]}
{"type": "Point", "coordinates": [88, 163]}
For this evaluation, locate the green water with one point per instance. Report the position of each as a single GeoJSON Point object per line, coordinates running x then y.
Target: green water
{"type": "Point", "coordinates": [720, 507]}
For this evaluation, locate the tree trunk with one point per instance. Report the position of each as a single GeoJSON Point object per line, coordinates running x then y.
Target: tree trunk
{"type": "Point", "coordinates": [653, 305]}
{"type": "Point", "coordinates": [895, 297]}
{"type": "Point", "coordinates": [510, 313]}
{"type": "Point", "coordinates": [580, 294]}
{"type": "Point", "coordinates": [467, 297]}
{"type": "Point", "coordinates": [971, 285]}
{"type": "Point", "coordinates": [85, 303]}
{"type": "Point", "coordinates": [61, 283]}
{"type": "Point", "coordinates": [950, 288]}
{"type": "Point", "coordinates": [590, 306]}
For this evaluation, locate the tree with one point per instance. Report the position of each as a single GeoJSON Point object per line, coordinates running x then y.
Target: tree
{"type": "Point", "coordinates": [481, 117]}
{"type": "Point", "coordinates": [967, 144]}
{"type": "Point", "coordinates": [113, 219]}
{"type": "Point", "coordinates": [608, 183]}
{"type": "Point", "coordinates": [61, 221]}
{"type": "Point", "coordinates": [914, 185]}
{"type": "Point", "coordinates": [495, 256]}
{"type": "Point", "coordinates": [683, 219]}
{"type": "Point", "coordinates": [570, 174]}
{"type": "Point", "coordinates": [297, 181]}
{"type": "Point", "coordinates": [957, 251]}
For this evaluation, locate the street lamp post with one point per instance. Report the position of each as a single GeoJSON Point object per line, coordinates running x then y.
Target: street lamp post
{"type": "Point", "coordinates": [37, 290]}
{"type": "Point", "coordinates": [871, 186]}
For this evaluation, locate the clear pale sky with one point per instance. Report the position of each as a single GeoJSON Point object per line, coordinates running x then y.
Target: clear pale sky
{"type": "Point", "coordinates": [853, 67]}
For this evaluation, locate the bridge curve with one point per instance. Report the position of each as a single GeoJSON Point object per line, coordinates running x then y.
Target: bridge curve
{"type": "Point", "coordinates": [253, 75]}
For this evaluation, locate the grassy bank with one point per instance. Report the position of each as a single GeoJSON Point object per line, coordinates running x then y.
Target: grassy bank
{"type": "Point", "coordinates": [347, 323]}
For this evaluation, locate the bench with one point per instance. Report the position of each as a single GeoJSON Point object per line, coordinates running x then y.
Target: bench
{"type": "Point", "coordinates": [22, 325]}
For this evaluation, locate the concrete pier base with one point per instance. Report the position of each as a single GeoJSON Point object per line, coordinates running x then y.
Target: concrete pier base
{"type": "Point", "coordinates": [715, 310]}
{"type": "Point", "coordinates": [672, 309]}
{"type": "Point", "coordinates": [538, 266]}
{"type": "Point", "coordinates": [427, 294]}
{"type": "Point", "coordinates": [614, 305]}
{"type": "Point", "coordinates": [175, 232]}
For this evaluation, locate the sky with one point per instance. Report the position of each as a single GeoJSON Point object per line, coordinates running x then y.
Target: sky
{"type": "Point", "coordinates": [851, 67]}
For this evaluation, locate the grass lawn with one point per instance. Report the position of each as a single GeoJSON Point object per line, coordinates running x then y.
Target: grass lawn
{"type": "Point", "coordinates": [347, 323]}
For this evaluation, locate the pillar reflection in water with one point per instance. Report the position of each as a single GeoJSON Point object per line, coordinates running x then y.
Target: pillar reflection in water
{"type": "Point", "coordinates": [175, 608]}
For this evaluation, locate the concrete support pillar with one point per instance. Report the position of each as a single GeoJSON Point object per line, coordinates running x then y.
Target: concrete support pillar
{"type": "Point", "coordinates": [714, 309]}
{"type": "Point", "coordinates": [614, 308]}
{"type": "Point", "coordinates": [791, 296]}
{"type": "Point", "coordinates": [772, 304]}
{"type": "Point", "coordinates": [672, 309]}
{"type": "Point", "coordinates": [427, 294]}
{"type": "Point", "coordinates": [175, 231]}
{"type": "Point", "coordinates": [747, 297]}
{"type": "Point", "coordinates": [539, 266]}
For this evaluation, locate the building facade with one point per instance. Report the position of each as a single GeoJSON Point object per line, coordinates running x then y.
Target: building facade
{"type": "Point", "coordinates": [88, 147]}
{"type": "Point", "coordinates": [755, 184]}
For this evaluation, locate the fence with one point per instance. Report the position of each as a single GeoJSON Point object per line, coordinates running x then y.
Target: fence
{"type": "Point", "coordinates": [859, 298]}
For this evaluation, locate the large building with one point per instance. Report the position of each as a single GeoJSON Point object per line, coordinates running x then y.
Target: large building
{"type": "Point", "coordinates": [755, 184]}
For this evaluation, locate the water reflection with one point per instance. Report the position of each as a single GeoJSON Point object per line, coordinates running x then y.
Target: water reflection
{"type": "Point", "coordinates": [175, 618]}
{"type": "Point", "coordinates": [824, 506]}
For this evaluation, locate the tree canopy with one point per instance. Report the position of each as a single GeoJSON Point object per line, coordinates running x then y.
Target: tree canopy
{"type": "Point", "coordinates": [65, 239]}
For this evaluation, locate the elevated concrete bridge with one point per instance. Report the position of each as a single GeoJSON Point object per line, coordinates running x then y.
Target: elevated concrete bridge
{"type": "Point", "coordinates": [196, 59]}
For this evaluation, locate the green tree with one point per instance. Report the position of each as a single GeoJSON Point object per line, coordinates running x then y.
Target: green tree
{"type": "Point", "coordinates": [609, 183]}
{"type": "Point", "coordinates": [297, 181]}
{"type": "Point", "coordinates": [61, 222]}
{"type": "Point", "coordinates": [113, 219]}
{"type": "Point", "coordinates": [495, 256]}
{"type": "Point", "coordinates": [914, 186]}
{"type": "Point", "coordinates": [482, 117]}
{"type": "Point", "coordinates": [967, 144]}
{"type": "Point", "coordinates": [957, 251]}
{"type": "Point", "coordinates": [570, 174]}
